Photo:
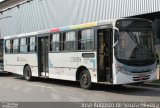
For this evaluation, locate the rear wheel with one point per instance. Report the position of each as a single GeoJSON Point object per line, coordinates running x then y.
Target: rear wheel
{"type": "Point", "coordinates": [27, 73]}
{"type": "Point", "coordinates": [85, 80]}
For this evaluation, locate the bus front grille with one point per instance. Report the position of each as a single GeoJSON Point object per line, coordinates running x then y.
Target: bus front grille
{"type": "Point", "coordinates": [141, 77]}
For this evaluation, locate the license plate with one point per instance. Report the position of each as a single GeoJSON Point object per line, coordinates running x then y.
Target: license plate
{"type": "Point", "coordinates": [141, 77]}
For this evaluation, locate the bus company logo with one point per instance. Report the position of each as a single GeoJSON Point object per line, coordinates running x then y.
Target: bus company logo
{"type": "Point", "coordinates": [75, 59]}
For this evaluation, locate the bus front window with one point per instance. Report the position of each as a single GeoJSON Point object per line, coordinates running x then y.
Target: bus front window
{"type": "Point", "coordinates": [135, 42]}
{"type": "Point", "coordinates": [135, 46]}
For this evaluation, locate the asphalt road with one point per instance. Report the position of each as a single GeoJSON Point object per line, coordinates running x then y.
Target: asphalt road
{"type": "Point", "coordinates": [16, 89]}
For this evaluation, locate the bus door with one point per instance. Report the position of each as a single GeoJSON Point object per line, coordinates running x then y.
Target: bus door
{"type": "Point", "coordinates": [1, 55]}
{"type": "Point", "coordinates": [43, 43]}
{"type": "Point", "coordinates": [104, 49]}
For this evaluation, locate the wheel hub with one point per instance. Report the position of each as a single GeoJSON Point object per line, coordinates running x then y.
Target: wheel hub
{"type": "Point", "coordinates": [85, 79]}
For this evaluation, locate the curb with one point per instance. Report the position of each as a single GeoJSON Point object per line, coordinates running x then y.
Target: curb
{"type": "Point", "coordinates": [151, 85]}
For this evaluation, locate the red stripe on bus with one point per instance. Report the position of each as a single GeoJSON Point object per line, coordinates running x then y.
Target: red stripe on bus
{"type": "Point", "coordinates": [54, 30]}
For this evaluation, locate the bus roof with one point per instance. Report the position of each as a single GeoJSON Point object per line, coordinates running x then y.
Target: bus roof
{"type": "Point", "coordinates": [108, 23]}
{"type": "Point", "coordinates": [61, 29]}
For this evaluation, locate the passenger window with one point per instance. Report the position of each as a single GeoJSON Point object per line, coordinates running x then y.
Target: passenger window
{"type": "Point", "coordinates": [8, 46]}
{"type": "Point", "coordinates": [86, 40]}
{"type": "Point", "coordinates": [23, 45]}
{"type": "Point", "coordinates": [32, 44]}
{"type": "Point", "coordinates": [55, 42]}
{"type": "Point", "coordinates": [69, 41]}
{"type": "Point", "coordinates": [15, 45]}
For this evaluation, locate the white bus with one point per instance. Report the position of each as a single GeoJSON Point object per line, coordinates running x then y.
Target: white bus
{"type": "Point", "coordinates": [113, 52]}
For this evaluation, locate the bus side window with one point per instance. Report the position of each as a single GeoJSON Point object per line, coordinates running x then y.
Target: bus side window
{"type": "Point", "coordinates": [69, 41]}
{"type": "Point", "coordinates": [55, 42]}
{"type": "Point", "coordinates": [23, 45]}
{"type": "Point", "coordinates": [32, 44]}
{"type": "Point", "coordinates": [8, 46]}
{"type": "Point", "coordinates": [15, 45]}
{"type": "Point", "coordinates": [86, 39]}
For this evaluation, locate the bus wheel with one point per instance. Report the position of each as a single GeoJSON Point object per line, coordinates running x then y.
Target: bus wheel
{"type": "Point", "coordinates": [85, 80]}
{"type": "Point", "coordinates": [27, 73]}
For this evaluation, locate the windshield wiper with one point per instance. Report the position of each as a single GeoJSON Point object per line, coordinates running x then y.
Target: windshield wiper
{"type": "Point", "coordinates": [133, 37]}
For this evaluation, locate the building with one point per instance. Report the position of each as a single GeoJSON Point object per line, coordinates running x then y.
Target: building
{"type": "Point", "coordinates": [8, 3]}
{"type": "Point", "coordinates": [23, 16]}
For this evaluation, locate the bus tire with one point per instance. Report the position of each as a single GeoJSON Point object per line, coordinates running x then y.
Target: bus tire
{"type": "Point", "coordinates": [85, 80]}
{"type": "Point", "coordinates": [27, 73]}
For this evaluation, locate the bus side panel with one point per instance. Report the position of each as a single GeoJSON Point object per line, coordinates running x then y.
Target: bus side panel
{"type": "Point", "coordinates": [9, 62]}
{"type": "Point", "coordinates": [15, 63]}
{"type": "Point", "coordinates": [89, 60]}
{"type": "Point", "coordinates": [63, 65]}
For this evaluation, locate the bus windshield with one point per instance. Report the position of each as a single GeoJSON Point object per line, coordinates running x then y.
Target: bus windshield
{"type": "Point", "coordinates": [135, 46]}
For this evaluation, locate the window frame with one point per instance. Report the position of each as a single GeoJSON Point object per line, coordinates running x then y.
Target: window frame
{"type": "Point", "coordinates": [11, 46]}
{"type": "Point", "coordinates": [77, 35]}
{"type": "Point", "coordinates": [50, 42]}
{"type": "Point", "coordinates": [23, 45]}
{"type": "Point", "coordinates": [35, 45]}
{"type": "Point", "coordinates": [94, 40]}
{"type": "Point", "coordinates": [17, 46]}
{"type": "Point", "coordinates": [62, 41]}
